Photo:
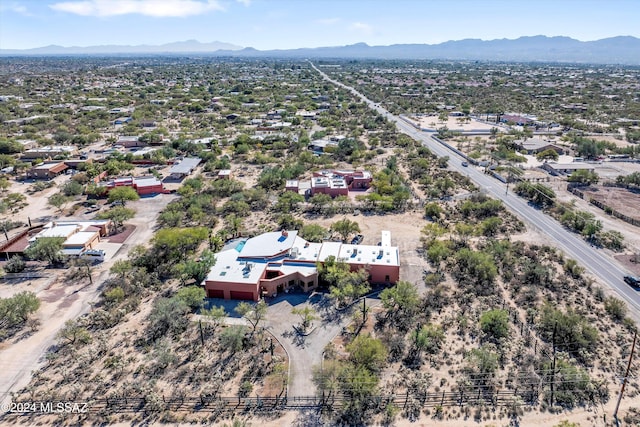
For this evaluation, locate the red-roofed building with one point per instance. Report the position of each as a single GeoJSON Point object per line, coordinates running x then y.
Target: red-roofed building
{"type": "Point", "coordinates": [47, 170]}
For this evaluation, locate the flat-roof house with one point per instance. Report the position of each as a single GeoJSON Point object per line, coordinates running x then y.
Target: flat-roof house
{"type": "Point", "coordinates": [148, 185]}
{"type": "Point", "coordinates": [184, 167]}
{"type": "Point", "coordinates": [144, 185]}
{"type": "Point", "coordinates": [47, 170]}
{"type": "Point", "coordinates": [224, 174]}
{"type": "Point", "coordinates": [273, 262]}
{"type": "Point", "coordinates": [331, 185]}
{"type": "Point", "coordinates": [334, 183]}
{"type": "Point", "coordinates": [518, 120]}
{"type": "Point", "coordinates": [565, 168]}
{"type": "Point", "coordinates": [309, 115]}
{"type": "Point", "coordinates": [130, 141]}
{"type": "Point", "coordinates": [320, 145]}
{"type": "Point", "coordinates": [50, 151]}
{"type": "Point", "coordinates": [340, 182]}
{"type": "Point", "coordinates": [80, 241]}
{"type": "Point", "coordinates": [79, 235]}
{"type": "Point", "coordinates": [537, 145]}
{"type": "Point", "coordinates": [121, 110]}
{"type": "Point", "coordinates": [292, 185]}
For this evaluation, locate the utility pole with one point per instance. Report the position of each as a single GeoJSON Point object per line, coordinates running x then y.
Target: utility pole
{"type": "Point", "coordinates": [364, 309]}
{"type": "Point", "coordinates": [626, 375]}
{"type": "Point", "coordinates": [553, 364]}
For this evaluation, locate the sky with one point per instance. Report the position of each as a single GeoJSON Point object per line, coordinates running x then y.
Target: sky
{"type": "Point", "coordinates": [288, 24]}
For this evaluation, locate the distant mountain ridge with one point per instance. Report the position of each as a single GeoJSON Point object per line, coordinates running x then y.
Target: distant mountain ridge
{"type": "Point", "coordinates": [187, 46]}
{"type": "Point", "coordinates": [614, 50]}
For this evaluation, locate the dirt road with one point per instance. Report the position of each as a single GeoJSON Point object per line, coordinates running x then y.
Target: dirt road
{"type": "Point", "coordinates": [63, 301]}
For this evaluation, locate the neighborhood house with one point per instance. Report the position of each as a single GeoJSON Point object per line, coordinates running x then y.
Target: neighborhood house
{"type": "Point", "coordinates": [79, 236]}
{"type": "Point", "coordinates": [334, 183]}
{"type": "Point", "coordinates": [273, 262]}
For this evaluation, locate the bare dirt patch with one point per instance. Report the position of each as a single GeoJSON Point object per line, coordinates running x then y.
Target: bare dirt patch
{"type": "Point", "coordinates": [629, 262]}
{"type": "Point", "coordinates": [619, 199]}
{"type": "Point", "coordinates": [123, 235]}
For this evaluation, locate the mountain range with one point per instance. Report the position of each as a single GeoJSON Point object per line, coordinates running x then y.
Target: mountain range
{"type": "Point", "coordinates": [615, 50]}
{"type": "Point", "coordinates": [188, 46]}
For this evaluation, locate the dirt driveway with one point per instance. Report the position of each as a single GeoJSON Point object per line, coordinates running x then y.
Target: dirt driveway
{"type": "Point", "coordinates": [62, 301]}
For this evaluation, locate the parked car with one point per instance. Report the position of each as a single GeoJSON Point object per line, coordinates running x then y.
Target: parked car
{"type": "Point", "coordinates": [357, 240]}
{"type": "Point", "coordinates": [632, 281]}
{"type": "Point", "coordinates": [96, 255]}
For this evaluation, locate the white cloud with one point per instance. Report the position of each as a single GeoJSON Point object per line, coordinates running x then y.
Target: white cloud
{"type": "Point", "coordinates": [328, 21]}
{"type": "Point", "coordinates": [15, 7]}
{"type": "Point", "coordinates": [155, 8]}
{"type": "Point", "coordinates": [361, 27]}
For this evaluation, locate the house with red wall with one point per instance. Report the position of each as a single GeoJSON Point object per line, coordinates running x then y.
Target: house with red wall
{"type": "Point", "coordinates": [271, 263]}
{"type": "Point", "coordinates": [144, 185]}
{"type": "Point", "coordinates": [339, 182]}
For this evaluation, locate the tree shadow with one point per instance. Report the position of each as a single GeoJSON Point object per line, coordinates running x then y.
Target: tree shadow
{"type": "Point", "coordinates": [309, 418]}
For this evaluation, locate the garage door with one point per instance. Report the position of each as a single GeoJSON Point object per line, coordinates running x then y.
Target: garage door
{"type": "Point", "coordinates": [215, 293]}
{"type": "Point", "coordinates": [242, 295]}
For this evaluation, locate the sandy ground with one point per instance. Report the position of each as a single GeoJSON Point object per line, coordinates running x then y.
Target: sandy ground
{"type": "Point", "coordinates": [454, 123]}
{"type": "Point", "coordinates": [62, 301]}
{"type": "Point", "coordinates": [592, 417]}
{"type": "Point", "coordinates": [631, 233]}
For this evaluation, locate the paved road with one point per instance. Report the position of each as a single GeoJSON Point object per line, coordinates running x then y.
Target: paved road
{"type": "Point", "coordinates": [603, 267]}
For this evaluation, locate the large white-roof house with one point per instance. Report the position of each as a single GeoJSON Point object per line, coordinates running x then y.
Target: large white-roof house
{"type": "Point", "coordinates": [273, 262]}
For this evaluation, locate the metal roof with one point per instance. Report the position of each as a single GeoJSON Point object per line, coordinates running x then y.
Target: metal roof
{"type": "Point", "coordinates": [186, 166]}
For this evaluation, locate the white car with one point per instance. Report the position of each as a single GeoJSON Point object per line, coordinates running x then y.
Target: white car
{"type": "Point", "coordinates": [97, 255]}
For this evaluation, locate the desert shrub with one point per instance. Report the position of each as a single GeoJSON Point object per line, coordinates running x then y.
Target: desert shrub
{"type": "Point", "coordinates": [192, 296]}
{"type": "Point", "coordinates": [232, 338]}
{"type": "Point", "coordinates": [495, 323]}
{"type": "Point", "coordinates": [476, 270]}
{"type": "Point", "coordinates": [114, 296]}
{"type": "Point", "coordinates": [574, 334]}
{"type": "Point", "coordinates": [573, 386]}
{"type": "Point", "coordinates": [15, 311]}
{"type": "Point", "coordinates": [616, 308]}
{"type": "Point", "coordinates": [15, 265]}
{"type": "Point", "coordinates": [168, 317]}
